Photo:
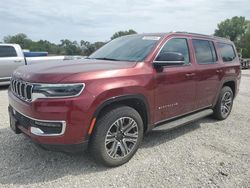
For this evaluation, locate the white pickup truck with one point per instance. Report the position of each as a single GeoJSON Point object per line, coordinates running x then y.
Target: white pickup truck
{"type": "Point", "coordinates": [11, 57]}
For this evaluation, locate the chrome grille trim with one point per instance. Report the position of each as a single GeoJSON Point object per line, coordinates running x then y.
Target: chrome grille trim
{"type": "Point", "coordinates": [21, 89]}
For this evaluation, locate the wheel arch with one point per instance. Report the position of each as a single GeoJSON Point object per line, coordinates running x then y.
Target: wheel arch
{"type": "Point", "coordinates": [231, 84]}
{"type": "Point", "coordinates": [228, 82]}
{"type": "Point", "coordinates": [136, 101]}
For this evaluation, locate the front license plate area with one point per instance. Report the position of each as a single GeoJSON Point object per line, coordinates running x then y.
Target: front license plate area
{"type": "Point", "coordinates": [13, 124]}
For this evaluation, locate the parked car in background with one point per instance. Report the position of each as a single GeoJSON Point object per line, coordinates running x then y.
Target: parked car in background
{"type": "Point", "coordinates": [128, 87]}
{"type": "Point", "coordinates": [34, 54]}
{"type": "Point", "coordinates": [12, 57]}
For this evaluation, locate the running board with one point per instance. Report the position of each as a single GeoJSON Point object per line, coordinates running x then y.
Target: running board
{"type": "Point", "coordinates": [184, 120]}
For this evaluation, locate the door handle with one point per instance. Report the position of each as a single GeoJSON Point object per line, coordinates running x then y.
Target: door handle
{"type": "Point", "coordinates": [188, 75]}
{"type": "Point", "coordinates": [17, 61]}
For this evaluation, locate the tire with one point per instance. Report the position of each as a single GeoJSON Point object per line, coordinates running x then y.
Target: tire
{"type": "Point", "coordinates": [117, 136]}
{"type": "Point", "coordinates": [224, 103]}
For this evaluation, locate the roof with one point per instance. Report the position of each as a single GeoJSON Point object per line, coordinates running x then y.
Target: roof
{"type": "Point", "coordinates": [186, 33]}
{"type": "Point", "coordinates": [8, 44]}
{"type": "Point", "coordinates": [202, 35]}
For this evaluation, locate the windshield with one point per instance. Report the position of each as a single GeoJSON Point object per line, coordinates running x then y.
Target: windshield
{"type": "Point", "coordinates": [127, 48]}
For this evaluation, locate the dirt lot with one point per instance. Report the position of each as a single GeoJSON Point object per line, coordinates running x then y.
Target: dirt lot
{"type": "Point", "coordinates": [206, 153]}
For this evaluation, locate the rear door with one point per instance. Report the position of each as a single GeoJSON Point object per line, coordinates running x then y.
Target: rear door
{"type": "Point", "coordinates": [9, 61]}
{"type": "Point", "coordinates": [175, 85]}
{"type": "Point", "coordinates": [209, 72]}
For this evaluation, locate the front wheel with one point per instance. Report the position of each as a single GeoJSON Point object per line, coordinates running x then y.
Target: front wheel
{"type": "Point", "coordinates": [117, 136]}
{"type": "Point", "coordinates": [224, 104]}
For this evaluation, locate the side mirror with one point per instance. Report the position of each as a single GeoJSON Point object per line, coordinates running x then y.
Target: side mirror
{"type": "Point", "coordinates": [168, 59]}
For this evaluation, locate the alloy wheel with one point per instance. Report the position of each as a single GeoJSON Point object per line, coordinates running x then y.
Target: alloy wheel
{"type": "Point", "coordinates": [226, 103]}
{"type": "Point", "coordinates": [121, 137]}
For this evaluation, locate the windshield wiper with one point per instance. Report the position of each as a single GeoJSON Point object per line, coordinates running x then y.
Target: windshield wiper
{"type": "Point", "coordinates": [105, 58]}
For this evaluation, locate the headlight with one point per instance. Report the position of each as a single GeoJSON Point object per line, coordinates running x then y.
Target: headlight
{"type": "Point", "coordinates": [56, 90]}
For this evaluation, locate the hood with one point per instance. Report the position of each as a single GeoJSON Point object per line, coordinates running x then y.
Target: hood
{"type": "Point", "coordinates": [55, 72]}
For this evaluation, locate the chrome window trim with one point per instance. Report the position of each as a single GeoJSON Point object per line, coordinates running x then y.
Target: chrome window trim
{"type": "Point", "coordinates": [169, 62]}
{"type": "Point", "coordinates": [175, 37]}
{"type": "Point", "coordinates": [46, 121]}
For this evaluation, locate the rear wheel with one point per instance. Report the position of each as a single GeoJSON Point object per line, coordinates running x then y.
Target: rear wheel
{"type": "Point", "coordinates": [117, 136]}
{"type": "Point", "coordinates": [224, 104]}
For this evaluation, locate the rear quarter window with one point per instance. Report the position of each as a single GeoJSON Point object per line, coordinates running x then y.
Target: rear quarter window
{"type": "Point", "coordinates": [7, 51]}
{"type": "Point", "coordinates": [227, 52]}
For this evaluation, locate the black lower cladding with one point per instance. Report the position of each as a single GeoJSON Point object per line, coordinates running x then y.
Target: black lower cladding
{"type": "Point", "coordinates": [46, 127]}
{"type": "Point", "coordinates": [73, 148]}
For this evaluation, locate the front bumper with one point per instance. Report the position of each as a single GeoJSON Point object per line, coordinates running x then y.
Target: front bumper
{"type": "Point", "coordinates": [71, 116]}
{"type": "Point", "coordinates": [36, 126]}
{"type": "Point", "coordinates": [72, 148]}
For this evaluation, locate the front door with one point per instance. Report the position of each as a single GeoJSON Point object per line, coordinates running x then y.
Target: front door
{"type": "Point", "coordinates": [175, 85]}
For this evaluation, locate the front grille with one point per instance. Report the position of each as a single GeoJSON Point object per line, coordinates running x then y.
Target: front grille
{"type": "Point", "coordinates": [21, 89]}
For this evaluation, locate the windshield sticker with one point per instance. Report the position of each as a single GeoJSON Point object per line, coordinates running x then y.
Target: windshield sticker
{"type": "Point", "coordinates": [151, 38]}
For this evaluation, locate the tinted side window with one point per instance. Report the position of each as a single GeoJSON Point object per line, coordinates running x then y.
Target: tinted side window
{"type": "Point", "coordinates": [227, 52]}
{"type": "Point", "coordinates": [178, 45]}
{"type": "Point", "coordinates": [7, 51]}
{"type": "Point", "coordinates": [204, 51]}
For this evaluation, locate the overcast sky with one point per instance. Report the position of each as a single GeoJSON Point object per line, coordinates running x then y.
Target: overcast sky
{"type": "Point", "coordinates": [97, 20]}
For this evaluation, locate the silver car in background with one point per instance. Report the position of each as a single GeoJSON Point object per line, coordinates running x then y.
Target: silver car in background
{"type": "Point", "coordinates": [12, 57]}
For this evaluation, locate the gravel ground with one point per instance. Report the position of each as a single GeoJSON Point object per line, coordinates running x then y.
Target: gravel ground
{"type": "Point", "coordinates": [206, 153]}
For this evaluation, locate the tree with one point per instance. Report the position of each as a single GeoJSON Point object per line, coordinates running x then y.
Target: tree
{"type": "Point", "coordinates": [44, 45]}
{"type": "Point", "coordinates": [123, 33]}
{"type": "Point", "coordinates": [20, 39]}
{"type": "Point", "coordinates": [237, 29]}
{"type": "Point", "coordinates": [245, 44]}
{"type": "Point", "coordinates": [88, 48]}
{"type": "Point", "coordinates": [233, 28]}
{"type": "Point", "coordinates": [98, 45]}
{"type": "Point", "coordinates": [70, 48]}
{"type": "Point", "coordinates": [66, 47]}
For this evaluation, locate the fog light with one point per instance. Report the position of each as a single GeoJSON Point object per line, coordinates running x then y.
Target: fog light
{"type": "Point", "coordinates": [36, 131]}
{"type": "Point", "coordinates": [48, 128]}
{"type": "Point", "coordinates": [48, 124]}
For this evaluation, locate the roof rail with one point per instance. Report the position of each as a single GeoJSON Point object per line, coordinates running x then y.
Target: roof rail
{"type": "Point", "coordinates": [198, 34]}
{"type": "Point", "coordinates": [185, 32]}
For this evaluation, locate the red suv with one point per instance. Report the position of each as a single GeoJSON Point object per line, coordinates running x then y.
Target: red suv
{"type": "Point", "coordinates": [128, 87]}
